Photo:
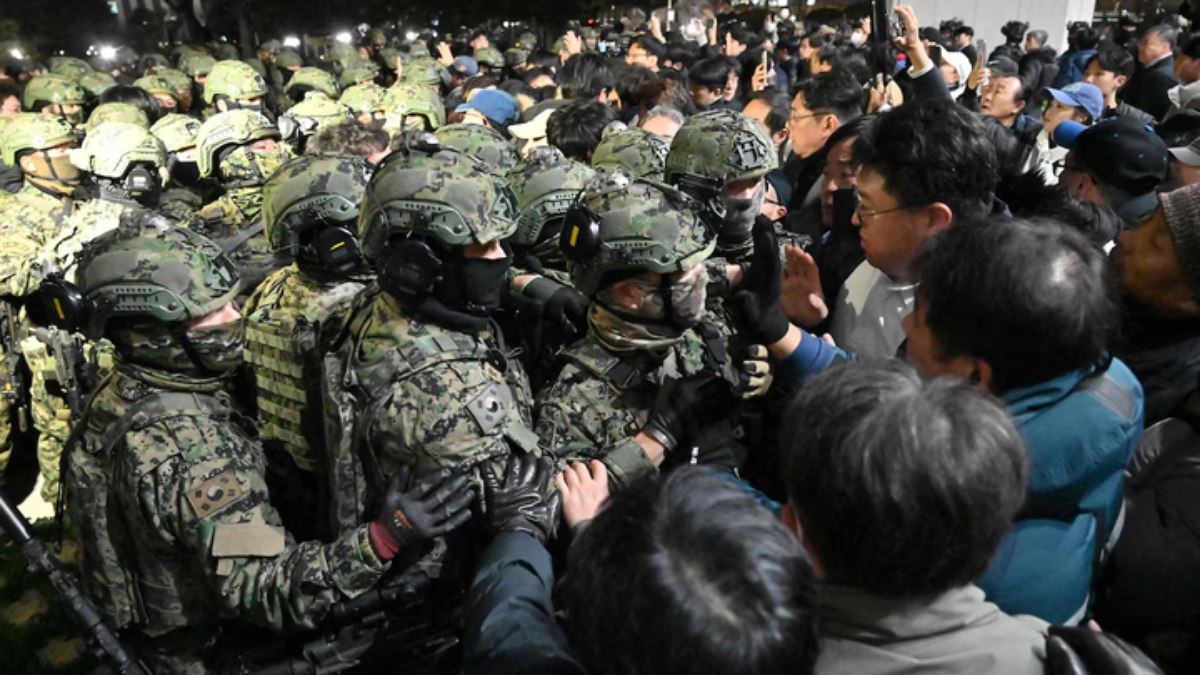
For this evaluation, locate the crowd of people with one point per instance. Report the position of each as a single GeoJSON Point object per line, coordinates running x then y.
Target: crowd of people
{"type": "Point", "coordinates": [723, 346]}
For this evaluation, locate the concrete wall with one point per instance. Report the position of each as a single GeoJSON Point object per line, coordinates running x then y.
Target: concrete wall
{"type": "Point", "coordinates": [988, 16]}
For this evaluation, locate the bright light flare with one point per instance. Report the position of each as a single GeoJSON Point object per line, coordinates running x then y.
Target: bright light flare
{"type": "Point", "coordinates": [291, 41]}
{"type": "Point", "coordinates": [343, 37]}
{"type": "Point", "coordinates": [108, 52]}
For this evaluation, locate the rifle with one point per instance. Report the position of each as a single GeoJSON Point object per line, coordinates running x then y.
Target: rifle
{"type": "Point", "coordinates": [105, 644]}
{"type": "Point", "coordinates": [393, 616]}
{"type": "Point", "coordinates": [12, 386]}
{"type": "Point", "coordinates": [71, 368]}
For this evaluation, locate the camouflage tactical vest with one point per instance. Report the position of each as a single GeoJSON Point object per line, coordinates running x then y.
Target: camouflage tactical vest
{"type": "Point", "coordinates": [149, 591]}
{"type": "Point", "coordinates": [284, 345]}
{"type": "Point", "coordinates": [353, 386]}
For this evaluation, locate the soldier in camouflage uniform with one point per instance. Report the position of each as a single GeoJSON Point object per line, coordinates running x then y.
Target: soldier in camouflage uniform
{"type": "Point", "coordinates": [53, 95]}
{"type": "Point", "coordinates": [38, 146]}
{"type": "Point", "coordinates": [407, 106]}
{"type": "Point", "coordinates": [490, 61]}
{"type": "Point", "coordinates": [233, 85]}
{"type": "Point", "coordinates": [167, 490]}
{"type": "Point", "coordinates": [96, 83]}
{"type": "Point", "coordinates": [366, 102]}
{"type": "Point", "coordinates": [639, 153]}
{"type": "Point", "coordinates": [122, 162]}
{"type": "Point", "coordinates": [421, 379]}
{"type": "Point", "coordinates": [358, 72]}
{"type": "Point", "coordinates": [645, 382]}
{"type": "Point", "coordinates": [162, 91]}
{"type": "Point", "coordinates": [303, 120]}
{"type": "Point", "coordinates": [184, 194]}
{"type": "Point", "coordinates": [310, 209]}
{"type": "Point", "coordinates": [546, 184]}
{"type": "Point", "coordinates": [69, 67]}
{"type": "Point", "coordinates": [483, 143]}
{"type": "Point", "coordinates": [117, 112]}
{"type": "Point", "coordinates": [240, 150]}
{"type": "Point", "coordinates": [181, 84]}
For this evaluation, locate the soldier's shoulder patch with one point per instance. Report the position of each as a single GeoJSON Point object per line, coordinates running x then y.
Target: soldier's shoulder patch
{"type": "Point", "coordinates": [215, 494]}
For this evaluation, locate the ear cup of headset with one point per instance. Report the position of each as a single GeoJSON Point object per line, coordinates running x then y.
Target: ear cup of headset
{"type": "Point", "coordinates": [411, 269]}
{"type": "Point", "coordinates": [335, 250]}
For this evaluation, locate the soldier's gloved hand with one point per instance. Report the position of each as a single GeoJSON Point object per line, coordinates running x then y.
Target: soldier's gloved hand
{"type": "Point", "coordinates": [755, 375]}
{"type": "Point", "coordinates": [415, 511]}
{"type": "Point", "coordinates": [517, 501]}
{"type": "Point", "coordinates": [682, 405]}
{"type": "Point", "coordinates": [567, 308]}
{"type": "Point", "coordinates": [756, 302]}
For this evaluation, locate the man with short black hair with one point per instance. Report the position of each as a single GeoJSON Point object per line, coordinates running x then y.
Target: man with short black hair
{"type": "Point", "coordinates": [962, 42]}
{"type": "Point", "coordinates": [1148, 87]}
{"type": "Point", "coordinates": [819, 107]}
{"type": "Point", "coordinates": [1109, 69]}
{"type": "Point", "coordinates": [1187, 61]}
{"type": "Point", "coordinates": [874, 451]}
{"type": "Point", "coordinates": [772, 110]}
{"type": "Point", "coordinates": [577, 127]}
{"type": "Point", "coordinates": [645, 51]}
{"type": "Point", "coordinates": [587, 76]}
{"type": "Point", "coordinates": [706, 84]}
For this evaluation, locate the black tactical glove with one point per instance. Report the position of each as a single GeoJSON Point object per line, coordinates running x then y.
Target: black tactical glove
{"type": "Point", "coordinates": [754, 377]}
{"type": "Point", "coordinates": [756, 302]}
{"type": "Point", "coordinates": [567, 309]}
{"type": "Point", "coordinates": [517, 502]}
{"type": "Point", "coordinates": [683, 405]}
{"type": "Point", "coordinates": [415, 511]}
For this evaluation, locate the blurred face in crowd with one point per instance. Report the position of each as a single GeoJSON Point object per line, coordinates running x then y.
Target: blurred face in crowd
{"type": "Point", "coordinates": [1000, 99]}
{"type": "Point", "coordinates": [772, 208]}
{"type": "Point", "coordinates": [731, 86]}
{"type": "Point", "coordinates": [841, 173]}
{"type": "Point", "coordinates": [758, 110]}
{"type": "Point", "coordinates": [891, 233]}
{"type": "Point", "coordinates": [1106, 81]}
{"type": "Point", "coordinates": [808, 129]}
{"type": "Point", "coordinates": [1152, 48]}
{"type": "Point", "coordinates": [1187, 69]}
{"type": "Point", "coordinates": [806, 50]}
{"type": "Point", "coordinates": [1149, 269]}
{"type": "Point", "coordinates": [10, 106]}
{"type": "Point", "coordinates": [702, 96]}
{"type": "Point", "coordinates": [1057, 112]}
{"type": "Point", "coordinates": [962, 40]}
{"type": "Point", "coordinates": [638, 56]}
{"type": "Point", "coordinates": [950, 75]}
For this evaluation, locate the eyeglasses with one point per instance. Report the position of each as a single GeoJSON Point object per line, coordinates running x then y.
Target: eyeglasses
{"type": "Point", "coordinates": [863, 215]}
{"type": "Point", "coordinates": [816, 114]}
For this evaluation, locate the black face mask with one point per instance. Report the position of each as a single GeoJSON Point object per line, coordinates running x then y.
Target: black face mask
{"type": "Point", "coordinates": [186, 174]}
{"type": "Point", "coordinates": [473, 285]}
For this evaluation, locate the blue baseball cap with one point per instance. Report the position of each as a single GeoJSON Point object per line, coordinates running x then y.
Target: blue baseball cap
{"type": "Point", "coordinates": [498, 106]}
{"type": "Point", "coordinates": [1087, 97]}
{"type": "Point", "coordinates": [465, 66]}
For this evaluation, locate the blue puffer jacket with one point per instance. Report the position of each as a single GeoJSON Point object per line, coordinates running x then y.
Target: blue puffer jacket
{"type": "Point", "coordinates": [1081, 429]}
{"type": "Point", "coordinates": [1071, 66]}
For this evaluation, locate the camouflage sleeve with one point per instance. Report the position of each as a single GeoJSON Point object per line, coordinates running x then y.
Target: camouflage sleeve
{"type": "Point", "coordinates": [210, 502]}
{"type": "Point", "coordinates": [455, 414]}
{"type": "Point", "coordinates": [582, 418]}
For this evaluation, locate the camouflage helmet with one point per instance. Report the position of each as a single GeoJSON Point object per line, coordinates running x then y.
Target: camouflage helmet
{"type": "Point", "coordinates": [176, 132]}
{"type": "Point", "coordinates": [196, 64]}
{"type": "Point", "coordinates": [637, 152]}
{"type": "Point", "coordinates": [341, 53]}
{"type": "Point", "coordinates": [363, 98]}
{"type": "Point", "coordinates": [311, 79]}
{"type": "Point", "coordinates": [154, 84]}
{"type": "Point", "coordinates": [631, 227]}
{"type": "Point", "coordinates": [31, 131]}
{"type": "Point", "coordinates": [50, 89]}
{"type": "Point", "coordinates": [403, 100]}
{"type": "Point", "coordinates": [225, 51]}
{"type": "Point", "coordinates": [289, 58]}
{"type": "Point", "coordinates": [489, 56]}
{"type": "Point", "coordinates": [112, 147]}
{"type": "Point", "coordinates": [515, 57]}
{"type": "Point", "coordinates": [310, 191]}
{"type": "Point", "coordinates": [234, 80]}
{"type": "Point", "coordinates": [484, 143]}
{"type": "Point", "coordinates": [546, 185]}
{"type": "Point", "coordinates": [95, 83]}
{"type": "Point", "coordinates": [439, 195]}
{"type": "Point", "coordinates": [722, 146]}
{"type": "Point", "coordinates": [177, 79]}
{"type": "Point", "coordinates": [152, 61]}
{"type": "Point", "coordinates": [234, 127]}
{"type": "Point", "coordinates": [118, 112]}
{"type": "Point", "coordinates": [69, 67]}
{"type": "Point", "coordinates": [528, 41]}
{"type": "Point", "coordinates": [358, 72]}
{"type": "Point", "coordinates": [125, 56]}
{"type": "Point", "coordinates": [169, 274]}
{"type": "Point", "coordinates": [271, 46]}
{"type": "Point", "coordinates": [311, 115]}
{"type": "Point", "coordinates": [418, 49]}
{"type": "Point", "coordinates": [422, 72]}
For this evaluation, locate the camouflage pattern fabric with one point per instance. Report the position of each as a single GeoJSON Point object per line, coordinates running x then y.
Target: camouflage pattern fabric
{"type": "Point", "coordinates": [117, 112]}
{"type": "Point", "coordinates": [404, 100]}
{"type": "Point", "coordinates": [365, 98]}
{"type": "Point", "coordinates": [52, 89]}
{"type": "Point", "coordinates": [225, 218]}
{"type": "Point", "coordinates": [313, 79]}
{"type": "Point", "coordinates": [180, 497]}
{"type": "Point", "coordinates": [489, 56]}
{"type": "Point", "coordinates": [722, 144]}
{"type": "Point", "coordinates": [69, 67]}
{"type": "Point", "coordinates": [96, 83]}
{"type": "Point", "coordinates": [585, 415]}
{"type": "Point", "coordinates": [546, 185]}
{"type": "Point", "coordinates": [498, 153]}
{"type": "Point", "coordinates": [638, 153]}
{"type": "Point", "coordinates": [234, 80]}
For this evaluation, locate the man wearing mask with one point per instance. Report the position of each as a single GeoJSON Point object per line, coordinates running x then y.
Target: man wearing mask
{"type": "Point", "coordinates": [233, 85]}
{"type": "Point", "coordinates": [168, 479]}
{"type": "Point", "coordinates": [240, 149]}
{"type": "Point", "coordinates": [183, 195]}
{"type": "Point", "coordinates": [56, 97]}
{"type": "Point", "coordinates": [645, 383]}
{"type": "Point", "coordinates": [39, 148]}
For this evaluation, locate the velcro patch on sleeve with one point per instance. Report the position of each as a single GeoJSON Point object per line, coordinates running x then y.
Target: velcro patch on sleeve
{"type": "Point", "coordinates": [246, 540]}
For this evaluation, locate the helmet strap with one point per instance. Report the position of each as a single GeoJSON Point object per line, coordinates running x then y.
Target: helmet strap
{"type": "Point", "coordinates": [179, 334]}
